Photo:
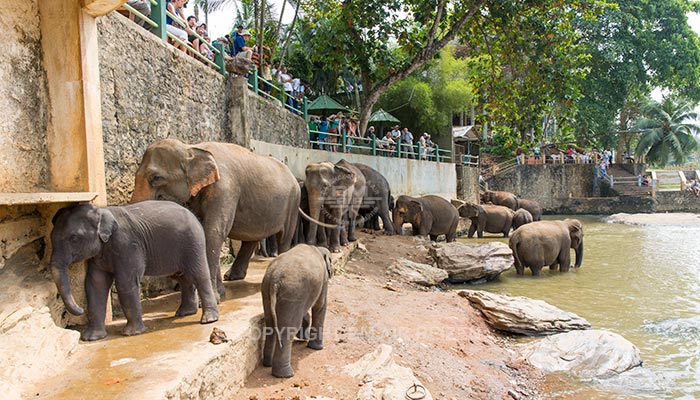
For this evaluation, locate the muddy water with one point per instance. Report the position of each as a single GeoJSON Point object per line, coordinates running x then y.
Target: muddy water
{"type": "Point", "coordinates": [642, 282]}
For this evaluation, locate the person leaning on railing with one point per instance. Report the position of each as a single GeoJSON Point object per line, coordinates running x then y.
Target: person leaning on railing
{"type": "Point", "coordinates": [144, 7]}
{"type": "Point", "coordinates": [175, 27]}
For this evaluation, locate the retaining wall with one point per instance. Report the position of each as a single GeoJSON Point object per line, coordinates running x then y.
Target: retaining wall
{"type": "Point", "coordinates": [411, 177]}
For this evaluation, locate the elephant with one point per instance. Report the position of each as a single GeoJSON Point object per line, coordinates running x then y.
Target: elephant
{"type": "Point", "coordinates": [506, 199]}
{"type": "Point", "coordinates": [532, 206]}
{"type": "Point", "coordinates": [122, 244]}
{"type": "Point", "coordinates": [294, 283]}
{"type": "Point", "coordinates": [521, 217]}
{"type": "Point", "coordinates": [429, 215]}
{"type": "Point", "coordinates": [487, 218]}
{"type": "Point", "coordinates": [543, 243]}
{"type": "Point", "coordinates": [336, 190]}
{"type": "Point", "coordinates": [234, 192]}
{"type": "Point", "coordinates": [377, 200]}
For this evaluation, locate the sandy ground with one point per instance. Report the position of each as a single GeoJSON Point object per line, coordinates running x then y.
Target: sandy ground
{"type": "Point", "coordinates": [680, 219]}
{"type": "Point", "coordinates": [436, 333]}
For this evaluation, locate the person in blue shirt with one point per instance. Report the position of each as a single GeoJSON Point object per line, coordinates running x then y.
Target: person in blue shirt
{"type": "Point", "coordinates": [239, 45]}
{"type": "Point", "coordinates": [323, 133]}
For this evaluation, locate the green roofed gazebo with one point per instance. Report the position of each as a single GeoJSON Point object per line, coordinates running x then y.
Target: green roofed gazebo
{"type": "Point", "coordinates": [381, 117]}
{"type": "Point", "coordinates": [324, 103]}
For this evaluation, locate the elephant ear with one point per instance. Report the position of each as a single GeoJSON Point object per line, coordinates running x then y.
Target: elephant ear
{"type": "Point", "coordinates": [200, 169]}
{"type": "Point", "coordinates": [575, 227]}
{"type": "Point", "coordinates": [345, 173]}
{"type": "Point", "coordinates": [106, 224]}
{"type": "Point", "coordinates": [329, 262]}
{"type": "Point", "coordinates": [417, 204]}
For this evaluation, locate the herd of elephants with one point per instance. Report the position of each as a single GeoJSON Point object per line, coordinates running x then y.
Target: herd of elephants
{"type": "Point", "coordinates": [189, 199]}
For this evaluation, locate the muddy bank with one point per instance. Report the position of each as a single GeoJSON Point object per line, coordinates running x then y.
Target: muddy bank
{"type": "Point", "coordinates": [437, 334]}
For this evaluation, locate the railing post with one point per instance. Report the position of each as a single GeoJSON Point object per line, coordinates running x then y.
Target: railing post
{"type": "Point", "coordinates": [219, 58]}
{"type": "Point", "coordinates": [344, 138]}
{"type": "Point", "coordinates": [437, 152]}
{"type": "Point", "coordinates": [255, 79]}
{"type": "Point", "coordinates": [158, 16]}
{"type": "Point", "coordinates": [374, 144]}
{"type": "Point", "coordinates": [306, 109]}
{"type": "Point", "coordinates": [398, 148]}
{"type": "Point", "coordinates": [420, 151]}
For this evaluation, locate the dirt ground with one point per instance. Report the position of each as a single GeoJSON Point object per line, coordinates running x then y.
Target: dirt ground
{"type": "Point", "coordinates": [436, 333]}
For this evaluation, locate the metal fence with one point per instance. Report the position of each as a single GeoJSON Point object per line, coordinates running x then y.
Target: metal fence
{"type": "Point", "coordinates": [342, 143]}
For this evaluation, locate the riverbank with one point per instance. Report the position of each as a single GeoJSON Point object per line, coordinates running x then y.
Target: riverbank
{"type": "Point", "coordinates": [437, 334]}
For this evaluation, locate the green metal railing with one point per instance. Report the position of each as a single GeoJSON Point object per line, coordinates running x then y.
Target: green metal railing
{"type": "Point", "coordinates": [342, 143]}
{"type": "Point", "coordinates": [256, 83]}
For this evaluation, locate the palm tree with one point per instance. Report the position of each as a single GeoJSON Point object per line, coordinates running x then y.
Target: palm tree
{"type": "Point", "coordinates": [668, 132]}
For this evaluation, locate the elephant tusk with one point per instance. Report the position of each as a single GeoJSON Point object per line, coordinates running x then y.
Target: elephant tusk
{"type": "Point", "coordinates": [310, 219]}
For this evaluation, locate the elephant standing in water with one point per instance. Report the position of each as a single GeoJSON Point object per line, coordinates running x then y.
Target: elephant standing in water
{"type": "Point", "coordinates": [429, 215]}
{"type": "Point", "coordinates": [532, 206]}
{"type": "Point", "coordinates": [234, 192]}
{"type": "Point", "coordinates": [542, 243]}
{"type": "Point", "coordinates": [487, 218]}
{"type": "Point", "coordinates": [122, 244]}
{"type": "Point", "coordinates": [506, 199]}
{"type": "Point", "coordinates": [521, 217]}
{"type": "Point", "coordinates": [336, 190]}
{"type": "Point", "coordinates": [294, 283]}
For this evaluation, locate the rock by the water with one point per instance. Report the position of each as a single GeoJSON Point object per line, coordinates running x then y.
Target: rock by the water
{"type": "Point", "coordinates": [472, 263]}
{"type": "Point", "coordinates": [523, 315]}
{"type": "Point", "coordinates": [381, 378]}
{"type": "Point", "coordinates": [421, 274]}
{"type": "Point", "coordinates": [587, 354]}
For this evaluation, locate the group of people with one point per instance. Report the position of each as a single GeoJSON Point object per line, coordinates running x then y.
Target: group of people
{"type": "Point", "coordinates": [692, 185]}
{"type": "Point", "coordinates": [326, 133]}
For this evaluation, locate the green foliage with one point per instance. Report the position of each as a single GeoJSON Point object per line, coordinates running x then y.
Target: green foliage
{"type": "Point", "coordinates": [669, 132]}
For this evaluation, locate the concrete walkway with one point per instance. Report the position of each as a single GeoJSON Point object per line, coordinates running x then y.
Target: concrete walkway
{"type": "Point", "coordinates": [173, 359]}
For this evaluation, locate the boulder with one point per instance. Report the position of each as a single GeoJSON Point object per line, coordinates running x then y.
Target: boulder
{"type": "Point", "coordinates": [383, 379]}
{"type": "Point", "coordinates": [472, 263]}
{"type": "Point", "coordinates": [586, 354]}
{"type": "Point", "coordinates": [522, 315]}
{"type": "Point", "coordinates": [413, 272]}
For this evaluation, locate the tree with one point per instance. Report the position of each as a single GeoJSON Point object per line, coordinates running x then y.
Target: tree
{"type": "Point", "coordinates": [383, 41]}
{"type": "Point", "coordinates": [669, 130]}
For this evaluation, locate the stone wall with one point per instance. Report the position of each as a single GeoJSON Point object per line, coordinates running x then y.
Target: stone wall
{"type": "Point", "coordinates": [162, 92]}
{"type": "Point", "coordinates": [23, 100]}
{"type": "Point", "coordinates": [677, 201]}
{"type": "Point", "coordinates": [550, 185]}
{"type": "Point", "coordinates": [467, 183]}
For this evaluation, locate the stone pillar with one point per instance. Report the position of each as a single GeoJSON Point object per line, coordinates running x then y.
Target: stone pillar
{"type": "Point", "coordinates": [236, 104]}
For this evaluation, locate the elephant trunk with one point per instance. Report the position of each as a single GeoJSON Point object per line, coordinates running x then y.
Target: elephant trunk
{"type": "Point", "coordinates": [315, 205]}
{"type": "Point", "coordinates": [398, 221]}
{"type": "Point", "coordinates": [579, 255]}
{"type": "Point", "coordinates": [142, 191]}
{"type": "Point", "coordinates": [60, 278]}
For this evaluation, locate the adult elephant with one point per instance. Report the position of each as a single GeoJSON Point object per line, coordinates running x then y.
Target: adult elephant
{"type": "Point", "coordinates": [487, 218]}
{"type": "Point", "coordinates": [234, 192]}
{"type": "Point", "coordinates": [377, 201]}
{"type": "Point", "coordinates": [336, 190]}
{"type": "Point", "coordinates": [498, 198]}
{"type": "Point", "coordinates": [429, 215]}
{"type": "Point", "coordinates": [532, 206]}
{"type": "Point", "coordinates": [547, 243]}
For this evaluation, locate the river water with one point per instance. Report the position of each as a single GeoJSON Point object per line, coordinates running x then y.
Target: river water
{"type": "Point", "coordinates": [642, 282]}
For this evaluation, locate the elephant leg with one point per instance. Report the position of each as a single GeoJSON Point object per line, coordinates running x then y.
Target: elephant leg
{"type": "Point", "coordinates": [239, 269]}
{"type": "Point", "coordinates": [334, 245]}
{"type": "Point", "coordinates": [472, 229]}
{"type": "Point", "coordinates": [271, 244]}
{"type": "Point", "coordinates": [97, 285]}
{"type": "Point", "coordinates": [352, 220]}
{"type": "Point", "coordinates": [519, 269]}
{"type": "Point", "coordinates": [536, 270]}
{"type": "Point", "coordinates": [565, 261]}
{"type": "Point", "coordinates": [262, 249]}
{"type": "Point", "coordinates": [188, 296]}
{"type": "Point", "coordinates": [433, 238]}
{"type": "Point", "coordinates": [214, 242]}
{"type": "Point", "coordinates": [128, 289]}
{"type": "Point", "coordinates": [386, 221]}
{"type": "Point", "coordinates": [210, 311]}
{"type": "Point", "coordinates": [481, 228]}
{"type": "Point", "coordinates": [288, 324]}
{"type": "Point", "coordinates": [318, 317]}
{"type": "Point", "coordinates": [303, 333]}
{"type": "Point", "coordinates": [554, 266]}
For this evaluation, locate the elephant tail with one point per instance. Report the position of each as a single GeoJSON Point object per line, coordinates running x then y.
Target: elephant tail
{"type": "Point", "coordinates": [514, 247]}
{"type": "Point", "coordinates": [310, 219]}
{"type": "Point", "coordinates": [273, 312]}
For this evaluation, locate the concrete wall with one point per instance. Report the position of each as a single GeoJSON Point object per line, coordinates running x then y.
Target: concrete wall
{"type": "Point", "coordinates": [411, 177]}
{"type": "Point", "coordinates": [467, 183]}
{"type": "Point", "coordinates": [23, 100]}
{"type": "Point", "coordinates": [161, 92]}
{"type": "Point", "coordinates": [550, 184]}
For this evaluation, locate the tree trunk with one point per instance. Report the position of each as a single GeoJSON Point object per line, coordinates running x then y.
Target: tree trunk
{"type": "Point", "coordinates": [289, 36]}
{"type": "Point", "coordinates": [261, 34]}
{"type": "Point", "coordinates": [622, 136]}
{"type": "Point", "coordinates": [276, 38]}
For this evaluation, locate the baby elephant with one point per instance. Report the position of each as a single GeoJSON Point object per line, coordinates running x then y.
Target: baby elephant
{"type": "Point", "coordinates": [295, 282]}
{"type": "Point", "coordinates": [122, 244]}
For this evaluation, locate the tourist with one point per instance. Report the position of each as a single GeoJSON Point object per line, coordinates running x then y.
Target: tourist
{"type": "Point", "coordinates": [313, 131]}
{"type": "Point", "coordinates": [323, 133]}
{"type": "Point", "coordinates": [387, 143]}
{"type": "Point", "coordinates": [519, 155]}
{"type": "Point", "coordinates": [144, 7]}
{"type": "Point", "coordinates": [174, 26]}
{"type": "Point", "coordinates": [396, 133]}
{"type": "Point", "coordinates": [333, 123]}
{"type": "Point", "coordinates": [191, 30]}
{"type": "Point", "coordinates": [536, 152]}
{"type": "Point", "coordinates": [285, 78]}
{"type": "Point", "coordinates": [603, 167]}
{"type": "Point", "coordinates": [406, 144]}
{"type": "Point", "coordinates": [240, 47]}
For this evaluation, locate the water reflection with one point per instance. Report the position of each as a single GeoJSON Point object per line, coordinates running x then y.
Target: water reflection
{"type": "Point", "coordinates": [642, 282]}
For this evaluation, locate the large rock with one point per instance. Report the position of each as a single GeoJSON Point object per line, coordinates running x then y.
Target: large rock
{"type": "Point", "coordinates": [472, 263]}
{"type": "Point", "coordinates": [523, 315]}
{"type": "Point", "coordinates": [382, 378]}
{"type": "Point", "coordinates": [586, 354]}
{"type": "Point", "coordinates": [413, 272]}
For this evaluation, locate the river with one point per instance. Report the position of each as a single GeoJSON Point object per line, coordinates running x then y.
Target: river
{"type": "Point", "coordinates": [642, 282]}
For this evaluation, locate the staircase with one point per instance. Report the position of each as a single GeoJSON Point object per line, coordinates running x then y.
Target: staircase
{"type": "Point", "coordinates": [626, 184]}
